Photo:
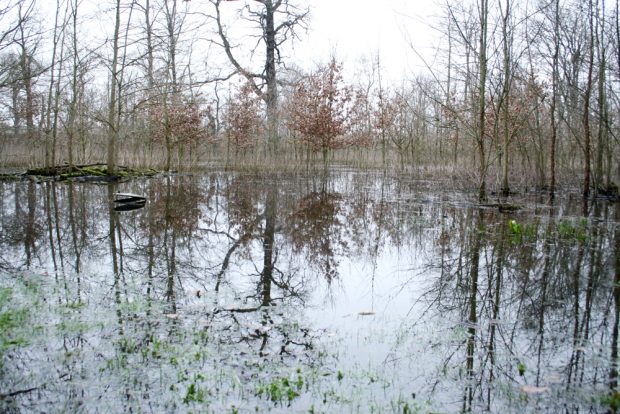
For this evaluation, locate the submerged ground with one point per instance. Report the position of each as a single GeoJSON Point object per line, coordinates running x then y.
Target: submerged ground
{"type": "Point", "coordinates": [340, 292]}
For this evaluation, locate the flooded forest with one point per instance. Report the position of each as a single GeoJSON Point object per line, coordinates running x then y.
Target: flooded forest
{"type": "Point", "coordinates": [196, 218]}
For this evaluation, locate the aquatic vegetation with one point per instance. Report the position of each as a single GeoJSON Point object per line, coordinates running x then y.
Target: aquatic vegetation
{"type": "Point", "coordinates": [280, 389]}
{"type": "Point", "coordinates": [12, 323]}
{"type": "Point", "coordinates": [612, 400]}
{"type": "Point", "coordinates": [572, 230]}
{"type": "Point", "coordinates": [520, 233]}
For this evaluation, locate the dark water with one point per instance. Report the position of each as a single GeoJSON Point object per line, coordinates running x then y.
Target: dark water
{"type": "Point", "coordinates": [351, 292]}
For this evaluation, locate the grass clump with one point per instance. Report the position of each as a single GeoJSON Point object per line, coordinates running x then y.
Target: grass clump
{"type": "Point", "coordinates": [573, 231]}
{"type": "Point", "coordinates": [281, 389]}
{"type": "Point", "coordinates": [612, 400]}
{"type": "Point", "coordinates": [195, 394]}
{"type": "Point", "coordinates": [11, 320]}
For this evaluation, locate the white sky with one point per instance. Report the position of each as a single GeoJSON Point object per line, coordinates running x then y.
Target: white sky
{"type": "Point", "coordinates": [354, 28]}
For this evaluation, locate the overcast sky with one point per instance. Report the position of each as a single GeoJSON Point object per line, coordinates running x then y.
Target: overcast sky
{"type": "Point", "coordinates": [361, 27]}
{"type": "Point", "coordinates": [351, 28]}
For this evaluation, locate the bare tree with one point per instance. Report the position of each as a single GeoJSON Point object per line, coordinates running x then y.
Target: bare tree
{"type": "Point", "coordinates": [481, 108]}
{"type": "Point", "coordinates": [507, 43]}
{"type": "Point", "coordinates": [27, 40]}
{"type": "Point", "coordinates": [71, 122]}
{"type": "Point", "coordinates": [602, 184]}
{"type": "Point", "coordinates": [586, 102]}
{"type": "Point", "coordinates": [555, 79]}
{"type": "Point", "coordinates": [53, 93]}
{"type": "Point", "coordinates": [113, 115]}
{"type": "Point", "coordinates": [9, 27]}
{"type": "Point", "coordinates": [277, 21]}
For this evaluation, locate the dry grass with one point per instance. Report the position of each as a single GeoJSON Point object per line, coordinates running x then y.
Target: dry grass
{"type": "Point", "coordinates": [427, 163]}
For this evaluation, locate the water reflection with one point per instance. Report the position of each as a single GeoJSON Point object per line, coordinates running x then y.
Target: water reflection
{"type": "Point", "coordinates": [535, 298]}
{"type": "Point", "coordinates": [354, 290]}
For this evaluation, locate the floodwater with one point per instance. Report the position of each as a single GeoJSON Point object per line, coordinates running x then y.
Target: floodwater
{"type": "Point", "coordinates": [343, 292]}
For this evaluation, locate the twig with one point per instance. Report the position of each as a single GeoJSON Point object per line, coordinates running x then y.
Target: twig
{"type": "Point", "coordinates": [18, 392]}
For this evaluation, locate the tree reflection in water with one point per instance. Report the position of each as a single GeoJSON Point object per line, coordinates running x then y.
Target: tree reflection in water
{"type": "Point", "coordinates": [214, 296]}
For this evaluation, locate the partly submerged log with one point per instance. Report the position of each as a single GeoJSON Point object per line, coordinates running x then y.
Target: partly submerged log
{"type": "Point", "coordinates": [89, 172]}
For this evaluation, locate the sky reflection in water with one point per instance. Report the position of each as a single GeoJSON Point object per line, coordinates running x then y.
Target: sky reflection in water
{"type": "Point", "coordinates": [345, 292]}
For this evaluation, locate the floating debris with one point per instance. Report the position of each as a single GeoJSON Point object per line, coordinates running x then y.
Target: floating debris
{"type": "Point", "coordinates": [531, 389]}
{"type": "Point", "coordinates": [128, 201]}
{"type": "Point", "coordinates": [502, 207]}
{"type": "Point", "coordinates": [128, 198]}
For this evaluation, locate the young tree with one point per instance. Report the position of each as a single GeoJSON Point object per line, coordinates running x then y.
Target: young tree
{"type": "Point", "coordinates": [181, 122]}
{"type": "Point", "coordinates": [243, 120]}
{"type": "Point", "coordinates": [395, 121]}
{"type": "Point", "coordinates": [320, 107]}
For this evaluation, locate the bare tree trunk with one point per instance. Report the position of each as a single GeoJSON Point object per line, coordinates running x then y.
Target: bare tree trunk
{"type": "Point", "coordinates": [271, 95]}
{"type": "Point", "coordinates": [482, 66]}
{"type": "Point", "coordinates": [382, 115]}
{"type": "Point", "coordinates": [74, 87]}
{"type": "Point", "coordinates": [586, 104]}
{"type": "Point", "coordinates": [25, 62]}
{"type": "Point", "coordinates": [603, 133]}
{"type": "Point", "coordinates": [449, 97]}
{"type": "Point", "coordinates": [150, 80]}
{"type": "Point", "coordinates": [555, 79]}
{"type": "Point", "coordinates": [52, 98]}
{"type": "Point", "coordinates": [113, 116]}
{"type": "Point", "coordinates": [507, 44]}
{"type": "Point", "coordinates": [172, 89]}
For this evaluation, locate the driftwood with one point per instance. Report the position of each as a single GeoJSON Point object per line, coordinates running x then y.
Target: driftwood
{"type": "Point", "coordinates": [502, 207]}
{"type": "Point", "coordinates": [16, 393]}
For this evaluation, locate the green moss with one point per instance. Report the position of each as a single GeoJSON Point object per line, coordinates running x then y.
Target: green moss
{"type": "Point", "coordinates": [64, 172]}
{"type": "Point", "coordinates": [97, 171]}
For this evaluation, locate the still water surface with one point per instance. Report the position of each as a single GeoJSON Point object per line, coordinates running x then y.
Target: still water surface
{"type": "Point", "coordinates": [340, 292]}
